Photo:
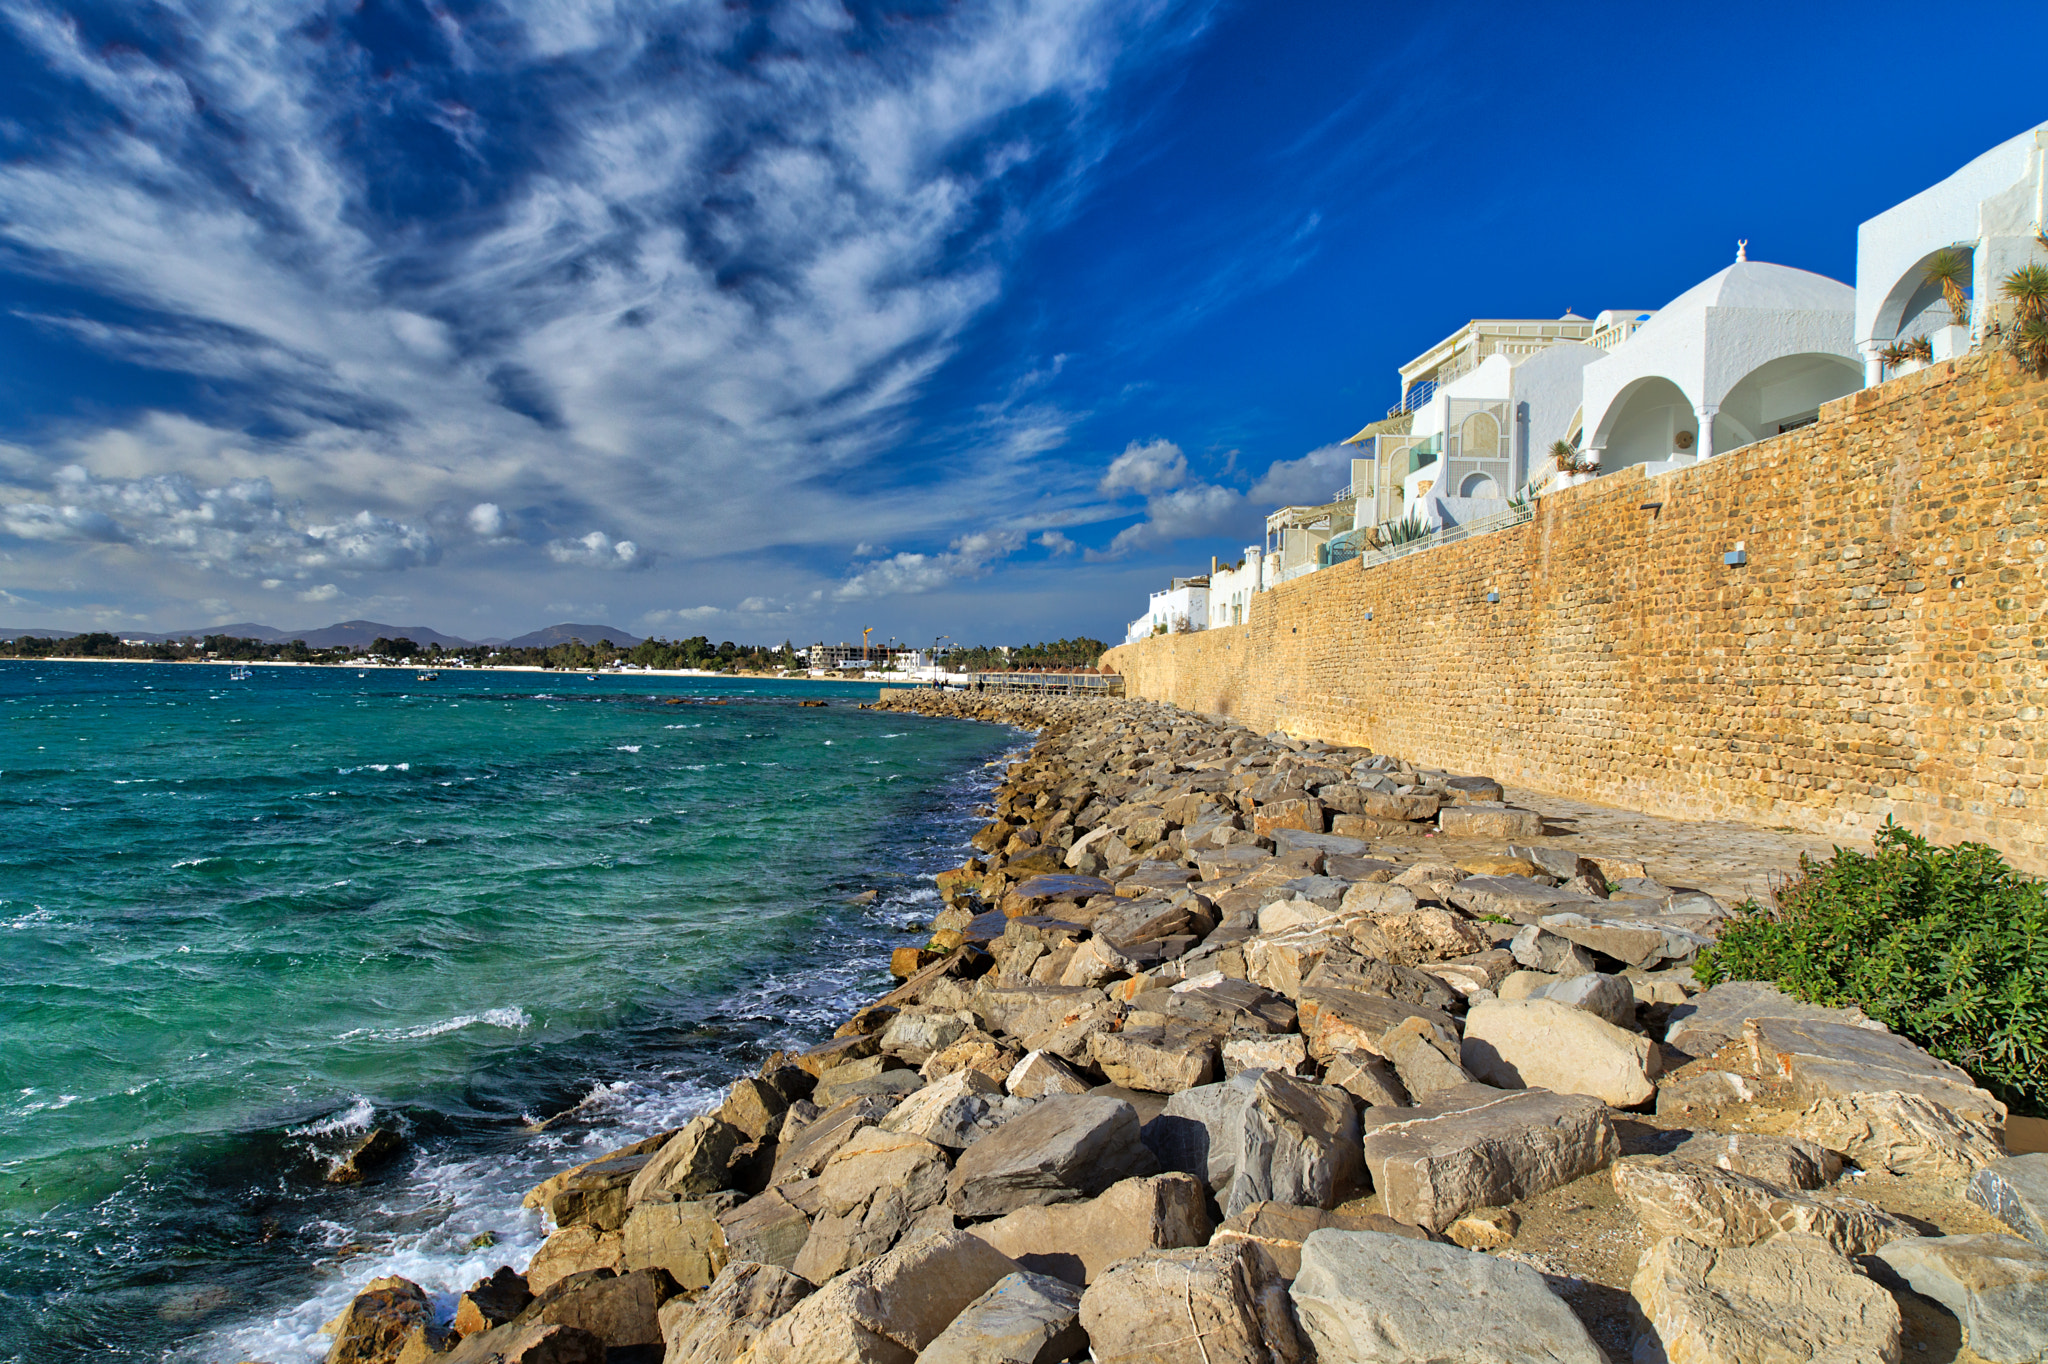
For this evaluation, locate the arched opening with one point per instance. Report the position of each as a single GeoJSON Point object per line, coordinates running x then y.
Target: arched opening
{"type": "Point", "coordinates": [1479, 485]}
{"type": "Point", "coordinates": [1915, 307]}
{"type": "Point", "coordinates": [1649, 421]}
{"type": "Point", "coordinates": [1781, 395]}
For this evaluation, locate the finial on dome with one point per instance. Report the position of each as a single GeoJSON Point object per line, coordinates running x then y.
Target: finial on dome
{"type": "Point", "coordinates": [1742, 250]}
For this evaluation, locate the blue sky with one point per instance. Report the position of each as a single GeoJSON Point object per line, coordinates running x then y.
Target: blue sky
{"type": "Point", "coordinates": [772, 321]}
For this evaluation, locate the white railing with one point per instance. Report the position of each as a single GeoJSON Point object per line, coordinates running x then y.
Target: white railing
{"type": "Point", "coordinates": [1449, 535]}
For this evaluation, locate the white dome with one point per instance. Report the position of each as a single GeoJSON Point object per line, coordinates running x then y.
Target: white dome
{"type": "Point", "coordinates": [1751, 284]}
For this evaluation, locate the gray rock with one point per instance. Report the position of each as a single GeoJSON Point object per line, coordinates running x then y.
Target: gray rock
{"type": "Point", "coordinates": [947, 1112]}
{"type": "Point", "coordinates": [1787, 1162]}
{"type": "Point", "coordinates": [1713, 1018]}
{"type": "Point", "coordinates": [1717, 1207]}
{"type": "Point", "coordinates": [1065, 1149]}
{"type": "Point", "coordinates": [1424, 1058]}
{"type": "Point", "coordinates": [803, 1155]}
{"type": "Point", "coordinates": [1369, 1079]}
{"type": "Point", "coordinates": [1562, 863]}
{"type": "Point", "coordinates": [1215, 1304]}
{"type": "Point", "coordinates": [1997, 1286]}
{"type": "Point", "coordinates": [872, 1191]}
{"type": "Point", "coordinates": [1299, 1143]}
{"type": "Point", "coordinates": [1479, 1147]}
{"type": "Point", "coordinates": [1200, 1130]}
{"type": "Point", "coordinates": [686, 1240]}
{"type": "Point", "coordinates": [1294, 840]}
{"type": "Point", "coordinates": [1549, 953]}
{"type": "Point", "coordinates": [1489, 819]}
{"type": "Point", "coordinates": [769, 1228]}
{"type": "Point", "coordinates": [1520, 898]}
{"type": "Point", "coordinates": [1828, 1058]}
{"type": "Point", "coordinates": [618, 1309]}
{"type": "Point", "coordinates": [2014, 1189]}
{"type": "Point", "coordinates": [1905, 1133]}
{"type": "Point", "coordinates": [1165, 1060]}
{"type": "Point", "coordinates": [1610, 997]}
{"type": "Point", "coordinates": [740, 1304]}
{"type": "Point", "coordinates": [1377, 1299]}
{"type": "Point", "coordinates": [694, 1162]}
{"type": "Point", "coordinates": [1025, 1319]}
{"type": "Point", "coordinates": [1790, 1298]}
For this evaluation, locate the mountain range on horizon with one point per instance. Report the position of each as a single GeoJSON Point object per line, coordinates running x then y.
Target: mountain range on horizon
{"type": "Point", "coordinates": [361, 634]}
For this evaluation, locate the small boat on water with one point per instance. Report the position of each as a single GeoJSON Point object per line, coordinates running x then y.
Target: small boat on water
{"type": "Point", "coordinates": [590, 677]}
{"type": "Point", "coordinates": [239, 674]}
{"type": "Point", "coordinates": [429, 677]}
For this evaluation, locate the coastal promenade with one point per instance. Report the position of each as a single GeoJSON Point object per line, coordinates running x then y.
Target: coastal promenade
{"type": "Point", "coordinates": [1234, 1048]}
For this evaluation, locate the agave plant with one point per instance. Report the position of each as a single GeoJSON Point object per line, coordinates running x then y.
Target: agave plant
{"type": "Point", "coordinates": [1920, 348]}
{"type": "Point", "coordinates": [1951, 270]}
{"type": "Point", "coordinates": [1403, 532]}
{"type": "Point", "coordinates": [1895, 355]}
{"type": "Point", "coordinates": [2027, 338]}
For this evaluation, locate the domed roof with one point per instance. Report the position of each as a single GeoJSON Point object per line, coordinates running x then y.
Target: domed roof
{"type": "Point", "coordinates": [1758, 285]}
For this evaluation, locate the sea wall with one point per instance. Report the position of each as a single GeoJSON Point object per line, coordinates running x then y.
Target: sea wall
{"type": "Point", "coordinates": [1880, 653]}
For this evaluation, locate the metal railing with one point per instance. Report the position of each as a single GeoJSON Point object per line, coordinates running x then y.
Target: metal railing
{"type": "Point", "coordinates": [1449, 535]}
{"type": "Point", "coordinates": [1097, 684]}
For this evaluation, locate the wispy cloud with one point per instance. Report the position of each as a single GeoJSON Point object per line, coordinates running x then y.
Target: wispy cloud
{"type": "Point", "coordinates": [657, 275]}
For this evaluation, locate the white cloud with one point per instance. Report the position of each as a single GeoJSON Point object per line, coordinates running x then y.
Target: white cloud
{"type": "Point", "coordinates": [597, 550]}
{"type": "Point", "coordinates": [682, 613]}
{"type": "Point", "coordinates": [1148, 468]}
{"type": "Point", "coordinates": [488, 521]}
{"type": "Point", "coordinates": [324, 592]}
{"type": "Point", "coordinates": [696, 297]}
{"type": "Point", "coordinates": [1056, 542]}
{"type": "Point", "coordinates": [1308, 481]}
{"type": "Point", "coordinates": [1197, 510]}
{"type": "Point", "coordinates": [969, 556]}
{"type": "Point", "coordinates": [757, 605]}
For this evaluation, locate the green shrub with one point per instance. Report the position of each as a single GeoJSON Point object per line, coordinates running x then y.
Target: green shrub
{"type": "Point", "coordinates": [1946, 946]}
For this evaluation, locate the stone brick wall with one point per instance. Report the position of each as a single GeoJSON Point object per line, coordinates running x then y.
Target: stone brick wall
{"type": "Point", "coordinates": [1882, 652]}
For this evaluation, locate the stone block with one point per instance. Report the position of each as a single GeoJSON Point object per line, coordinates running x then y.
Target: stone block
{"type": "Point", "coordinates": [1297, 1143]}
{"type": "Point", "coordinates": [1216, 1304]}
{"type": "Point", "coordinates": [1164, 1059]}
{"type": "Point", "coordinates": [1489, 819]}
{"type": "Point", "coordinates": [1905, 1133]}
{"type": "Point", "coordinates": [684, 1240]}
{"type": "Point", "coordinates": [1717, 1207]}
{"type": "Point", "coordinates": [1535, 1043]}
{"type": "Point", "coordinates": [740, 1304]}
{"type": "Point", "coordinates": [1025, 1319]}
{"type": "Point", "coordinates": [1479, 1147]}
{"type": "Point", "coordinates": [872, 1191]}
{"type": "Point", "coordinates": [887, 1310]}
{"type": "Point", "coordinates": [1790, 1298]}
{"type": "Point", "coordinates": [1077, 1241]}
{"type": "Point", "coordinates": [1065, 1149]}
{"type": "Point", "coordinates": [2014, 1189]}
{"type": "Point", "coordinates": [1997, 1286]}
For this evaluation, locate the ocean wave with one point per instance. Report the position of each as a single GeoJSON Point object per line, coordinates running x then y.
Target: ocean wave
{"type": "Point", "coordinates": [629, 748]}
{"type": "Point", "coordinates": [373, 767]}
{"type": "Point", "coordinates": [194, 862]}
{"type": "Point", "coordinates": [515, 1018]}
{"type": "Point", "coordinates": [355, 1118]}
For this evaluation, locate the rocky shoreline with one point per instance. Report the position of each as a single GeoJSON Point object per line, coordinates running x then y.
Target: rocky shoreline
{"type": "Point", "coordinates": [1234, 1049]}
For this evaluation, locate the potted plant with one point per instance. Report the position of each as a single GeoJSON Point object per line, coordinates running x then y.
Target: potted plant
{"type": "Point", "coordinates": [1951, 270]}
{"type": "Point", "coordinates": [1894, 356]}
{"type": "Point", "coordinates": [1920, 348]}
{"type": "Point", "coordinates": [2027, 339]}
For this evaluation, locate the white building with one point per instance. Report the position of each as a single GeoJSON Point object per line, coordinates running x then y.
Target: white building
{"type": "Point", "coordinates": [1481, 435]}
{"type": "Point", "coordinates": [1180, 608]}
{"type": "Point", "coordinates": [1746, 353]}
{"type": "Point", "coordinates": [1991, 212]}
{"type": "Point", "coordinates": [1231, 589]}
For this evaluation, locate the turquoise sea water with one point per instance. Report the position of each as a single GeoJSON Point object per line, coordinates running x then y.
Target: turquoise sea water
{"type": "Point", "coordinates": [241, 921]}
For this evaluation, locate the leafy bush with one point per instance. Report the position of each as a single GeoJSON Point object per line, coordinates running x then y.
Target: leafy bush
{"type": "Point", "coordinates": [1946, 946]}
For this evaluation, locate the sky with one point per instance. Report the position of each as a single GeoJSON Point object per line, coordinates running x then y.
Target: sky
{"type": "Point", "coordinates": [770, 321]}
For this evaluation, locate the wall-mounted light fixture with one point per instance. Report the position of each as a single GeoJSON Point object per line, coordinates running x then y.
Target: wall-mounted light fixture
{"type": "Point", "coordinates": [1956, 581]}
{"type": "Point", "coordinates": [1736, 557]}
{"type": "Point", "coordinates": [1493, 596]}
{"type": "Point", "coordinates": [1368, 615]}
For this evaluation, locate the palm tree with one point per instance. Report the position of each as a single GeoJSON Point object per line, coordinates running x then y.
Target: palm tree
{"type": "Point", "coordinates": [1564, 455]}
{"type": "Point", "coordinates": [2027, 287]}
{"type": "Point", "coordinates": [1951, 270]}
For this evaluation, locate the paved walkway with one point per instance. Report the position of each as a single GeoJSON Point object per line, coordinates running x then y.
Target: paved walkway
{"type": "Point", "coordinates": [1730, 860]}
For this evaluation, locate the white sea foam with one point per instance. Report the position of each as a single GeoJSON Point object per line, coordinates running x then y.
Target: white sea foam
{"type": "Point", "coordinates": [194, 862]}
{"type": "Point", "coordinates": [629, 748]}
{"type": "Point", "coordinates": [355, 1118]}
{"type": "Point", "coordinates": [514, 1017]}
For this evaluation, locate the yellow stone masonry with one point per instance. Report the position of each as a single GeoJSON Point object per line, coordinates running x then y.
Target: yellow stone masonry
{"type": "Point", "coordinates": [1881, 653]}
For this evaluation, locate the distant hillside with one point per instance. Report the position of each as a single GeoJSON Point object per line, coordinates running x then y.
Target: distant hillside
{"type": "Point", "coordinates": [362, 633]}
{"type": "Point", "coordinates": [562, 634]}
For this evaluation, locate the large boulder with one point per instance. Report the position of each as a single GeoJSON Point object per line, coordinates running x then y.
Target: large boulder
{"type": "Point", "coordinates": [885, 1311]}
{"type": "Point", "coordinates": [740, 1304]}
{"type": "Point", "coordinates": [947, 1112]}
{"type": "Point", "coordinates": [1490, 819]}
{"type": "Point", "coordinates": [1900, 1131]}
{"type": "Point", "coordinates": [1425, 1058]}
{"type": "Point", "coordinates": [2014, 1189]}
{"type": "Point", "coordinates": [1041, 1073]}
{"type": "Point", "coordinates": [525, 1342]}
{"type": "Point", "coordinates": [694, 1162]}
{"type": "Point", "coordinates": [1025, 1319]}
{"type": "Point", "coordinates": [1077, 1241]}
{"type": "Point", "coordinates": [1165, 1059]}
{"type": "Point", "coordinates": [685, 1240]}
{"type": "Point", "coordinates": [1479, 1147]}
{"type": "Point", "coordinates": [1997, 1286]}
{"type": "Point", "coordinates": [1200, 1130]}
{"type": "Point", "coordinates": [872, 1191]}
{"type": "Point", "coordinates": [1713, 1018]}
{"type": "Point", "coordinates": [769, 1228]}
{"type": "Point", "coordinates": [1718, 1207]}
{"type": "Point", "coordinates": [1610, 997]}
{"type": "Point", "coordinates": [1788, 1162]}
{"type": "Point", "coordinates": [491, 1302]}
{"type": "Point", "coordinates": [1790, 1298]}
{"type": "Point", "coordinates": [1216, 1304]}
{"type": "Point", "coordinates": [1065, 1149]}
{"type": "Point", "coordinates": [377, 1320]}
{"type": "Point", "coordinates": [1821, 1058]}
{"type": "Point", "coordinates": [1276, 1231]}
{"type": "Point", "coordinates": [574, 1250]}
{"type": "Point", "coordinates": [1539, 1044]}
{"type": "Point", "coordinates": [1298, 1143]}
{"type": "Point", "coordinates": [596, 1193]}
{"type": "Point", "coordinates": [1337, 1020]}
{"type": "Point", "coordinates": [1377, 1299]}
{"type": "Point", "coordinates": [619, 1309]}
{"type": "Point", "coordinates": [803, 1153]}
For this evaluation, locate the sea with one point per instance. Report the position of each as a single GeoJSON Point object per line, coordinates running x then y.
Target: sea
{"type": "Point", "coordinates": [518, 918]}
